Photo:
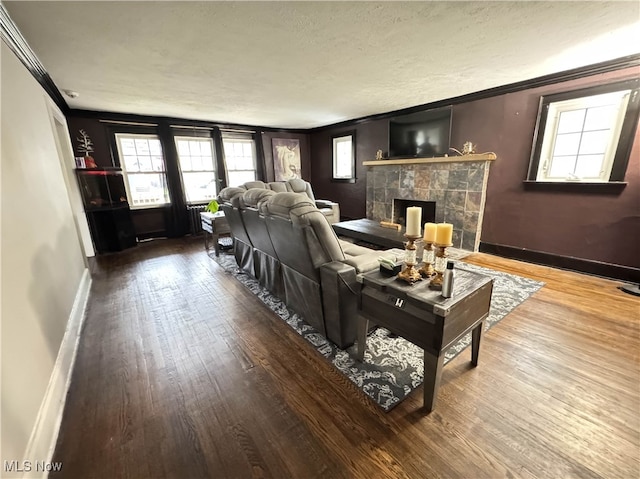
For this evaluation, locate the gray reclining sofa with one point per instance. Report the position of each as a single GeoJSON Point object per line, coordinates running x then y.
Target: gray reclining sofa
{"type": "Point", "coordinates": [287, 243]}
{"type": "Point", "coordinates": [328, 208]}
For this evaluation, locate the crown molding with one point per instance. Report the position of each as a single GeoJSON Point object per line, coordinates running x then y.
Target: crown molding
{"type": "Point", "coordinates": [128, 118]}
{"type": "Point", "coordinates": [567, 75]}
{"type": "Point", "coordinates": [18, 45]}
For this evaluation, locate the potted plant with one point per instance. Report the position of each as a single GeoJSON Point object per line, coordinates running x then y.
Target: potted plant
{"type": "Point", "coordinates": [86, 147]}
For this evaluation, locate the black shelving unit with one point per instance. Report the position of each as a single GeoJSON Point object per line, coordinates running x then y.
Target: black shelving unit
{"type": "Point", "coordinates": [105, 202]}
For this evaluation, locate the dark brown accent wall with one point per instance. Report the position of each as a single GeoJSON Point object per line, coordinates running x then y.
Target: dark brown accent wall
{"type": "Point", "coordinates": [587, 223]}
{"type": "Point", "coordinates": [371, 136]}
{"type": "Point", "coordinates": [98, 134]}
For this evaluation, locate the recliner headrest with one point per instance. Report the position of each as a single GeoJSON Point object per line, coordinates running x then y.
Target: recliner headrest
{"type": "Point", "coordinates": [229, 192]}
{"type": "Point", "coordinates": [255, 184]}
{"type": "Point", "coordinates": [253, 196]}
{"type": "Point", "coordinates": [297, 185]}
{"type": "Point", "coordinates": [283, 204]}
{"type": "Point", "coordinates": [278, 186]}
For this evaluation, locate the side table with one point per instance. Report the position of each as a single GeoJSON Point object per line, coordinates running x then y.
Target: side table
{"type": "Point", "coordinates": [423, 317]}
{"type": "Point", "coordinates": [214, 224]}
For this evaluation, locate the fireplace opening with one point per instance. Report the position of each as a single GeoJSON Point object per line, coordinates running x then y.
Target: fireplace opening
{"type": "Point", "coordinates": [400, 210]}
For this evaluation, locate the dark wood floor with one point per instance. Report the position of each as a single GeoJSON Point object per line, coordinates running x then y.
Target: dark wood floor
{"type": "Point", "coordinates": [183, 373]}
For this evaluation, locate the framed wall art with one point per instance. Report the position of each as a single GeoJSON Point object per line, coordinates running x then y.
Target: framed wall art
{"type": "Point", "coordinates": [286, 158]}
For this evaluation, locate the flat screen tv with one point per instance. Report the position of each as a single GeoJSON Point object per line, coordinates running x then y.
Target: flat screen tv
{"type": "Point", "coordinates": [423, 134]}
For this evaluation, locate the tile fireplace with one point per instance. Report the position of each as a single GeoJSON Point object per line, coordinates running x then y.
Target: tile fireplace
{"type": "Point", "coordinates": [455, 185]}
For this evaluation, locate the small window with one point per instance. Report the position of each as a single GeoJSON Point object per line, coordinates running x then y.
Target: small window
{"type": "Point", "coordinates": [197, 167]}
{"type": "Point", "coordinates": [585, 136]}
{"type": "Point", "coordinates": [240, 160]}
{"type": "Point", "coordinates": [344, 157]}
{"type": "Point", "coordinates": [143, 165]}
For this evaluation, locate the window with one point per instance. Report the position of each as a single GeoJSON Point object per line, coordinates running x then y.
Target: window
{"type": "Point", "coordinates": [240, 159]}
{"type": "Point", "coordinates": [143, 165]}
{"type": "Point", "coordinates": [197, 166]}
{"type": "Point", "coordinates": [344, 157]}
{"type": "Point", "coordinates": [585, 136]}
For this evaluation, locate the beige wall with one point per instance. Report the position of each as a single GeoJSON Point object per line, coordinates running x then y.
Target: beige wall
{"type": "Point", "coordinates": [42, 260]}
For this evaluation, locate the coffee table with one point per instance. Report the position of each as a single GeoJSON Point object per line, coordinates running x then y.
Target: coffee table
{"type": "Point", "coordinates": [371, 232]}
{"type": "Point", "coordinates": [423, 317]}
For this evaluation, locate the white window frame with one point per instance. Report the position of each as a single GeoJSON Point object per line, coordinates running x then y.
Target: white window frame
{"type": "Point", "coordinates": [243, 139]}
{"type": "Point", "coordinates": [342, 157]}
{"type": "Point", "coordinates": [619, 99]}
{"type": "Point", "coordinates": [619, 142]}
{"type": "Point", "coordinates": [127, 174]}
{"type": "Point", "coordinates": [213, 169]}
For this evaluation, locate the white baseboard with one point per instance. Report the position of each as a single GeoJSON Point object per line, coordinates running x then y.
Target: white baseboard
{"type": "Point", "coordinates": [44, 435]}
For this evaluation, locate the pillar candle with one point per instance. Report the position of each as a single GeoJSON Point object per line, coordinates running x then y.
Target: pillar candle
{"type": "Point", "coordinates": [414, 218]}
{"type": "Point", "coordinates": [444, 233]}
{"type": "Point", "coordinates": [430, 232]}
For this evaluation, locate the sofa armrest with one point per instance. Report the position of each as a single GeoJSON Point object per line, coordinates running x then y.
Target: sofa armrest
{"type": "Point", "coordinates": [340, 296]}
{"type": "Point", "coordinates": [365, 262]}
{"type": "Point", "coordinates": [334, 215]}
{"type": "Point", "coordinates": [325, 204]}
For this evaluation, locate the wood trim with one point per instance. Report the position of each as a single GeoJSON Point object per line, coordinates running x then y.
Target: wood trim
{"type": "Point", "coordinates": [18, 45]}
{"type": "Point", "coordinates": [605, 187]}
{"type": "Point", "coordinates": [133, 123]}
{"type": "Point", "coordinates": [437, 159]}
{"type": "Point", "coordinates": [128, 118]}
{"type": "Point", "coordinates": [598, 268]}
{"type": "Point", "coordinates": [576, 73]}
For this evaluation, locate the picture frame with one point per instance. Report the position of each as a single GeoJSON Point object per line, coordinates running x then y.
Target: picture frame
{"type": "Point", "coordinates": [286, 158]}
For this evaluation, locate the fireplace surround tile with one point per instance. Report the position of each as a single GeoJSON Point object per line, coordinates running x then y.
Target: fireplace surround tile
{"type": "Point", "coordinates": [454, 216]}
{"type": "Point", "coordinates": [476, 179]}
{"type": "Point", "coordinates": [458, 180]}
{"type": "Point", "coordinates": [455, 199]}
{"type": "Point", "coordinates": [422, 178]}
{"type": "Point", "coordinates": [416, 193]}
{"type": "Point", "coordinates": [439, 180]}
{"type": "Point", "coordinates": [407, 179]}
{"type": "Point", "coordinates": [468, 240]}
{"type": "Point", "coordinates": [474, 199]}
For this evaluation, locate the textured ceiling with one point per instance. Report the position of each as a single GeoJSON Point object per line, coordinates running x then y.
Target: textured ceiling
{"type": "Point", "coordinates": [308, 64]}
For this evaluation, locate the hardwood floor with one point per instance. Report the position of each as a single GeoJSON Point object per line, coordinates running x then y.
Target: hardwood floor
{"type": "Point", "coordinates": [183, 373]}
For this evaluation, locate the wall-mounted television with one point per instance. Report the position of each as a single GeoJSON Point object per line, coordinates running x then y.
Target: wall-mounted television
{"type": "Point", "coordinates": [424, 134]}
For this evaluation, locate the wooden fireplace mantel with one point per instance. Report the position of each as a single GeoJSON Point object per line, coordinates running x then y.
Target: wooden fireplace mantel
{"type": "Point", "coordinates": [437, 159]}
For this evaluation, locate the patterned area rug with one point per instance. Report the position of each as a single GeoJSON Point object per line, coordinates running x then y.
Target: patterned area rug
{"type": "Point", "coordinates": [392, 367]}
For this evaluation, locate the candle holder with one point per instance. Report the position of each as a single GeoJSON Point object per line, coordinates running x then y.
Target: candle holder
{"type": "Point", "coordinates": [428, 255]}
{"type": "Point", "coordinates": [410, 274]}
{"type": "Point", "coordinates": [440, 265]}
